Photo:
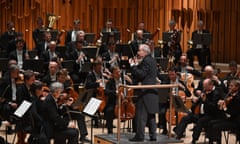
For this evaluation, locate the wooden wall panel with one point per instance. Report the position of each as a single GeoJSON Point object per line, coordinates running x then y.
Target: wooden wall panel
{"type": "Point", "coordinates": [221, 17]}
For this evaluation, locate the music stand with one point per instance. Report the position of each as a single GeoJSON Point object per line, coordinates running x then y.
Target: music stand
{"type": "Point", "coordinates": [33, 53]}
{"type": "Point", "coordinates": [61, 50]}
{"type": "Point", "coordinates": [3, 64]}
{"type": "Point", "coordinates": [90, 37]}
{"type": "Point", "coordinates": [167, 37]}
{"type": "Point", "coordinates": [91, 51]}
{"type": "Point", "coordinates": [147, 35]}
{"type": "Point", "coordinates": [68, 64]}
{"type": "Point", "coordinates": [204, 39]}
{"type": "Point", "coordinates": [86, 67]}
{"type": "Point", "coordinates": [157, 52]}
{"type": "Point", "coordinates": [54, 33]}
{"type": "Point", "coordinates": [125, 52]}
{"type": "Point", "coordinates": [90, 110]}
{"type": "Point", "coordinates": [33, 64]}
{"type": "Point", "coordinates": [105, 36]}
{"type": "Point", "coordinates": [163, 63]}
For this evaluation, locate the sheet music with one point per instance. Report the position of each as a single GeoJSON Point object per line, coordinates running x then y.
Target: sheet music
{"type": "Point", "coordinates": [22, 109]}
{"type": "Point", "coordinates": [92, 106]}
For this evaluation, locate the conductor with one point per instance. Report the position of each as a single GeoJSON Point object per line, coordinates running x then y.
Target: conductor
{"type": "Point", "coordinates": [144, 71]}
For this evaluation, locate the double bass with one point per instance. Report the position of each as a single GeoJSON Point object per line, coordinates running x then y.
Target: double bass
{"type": "Point", "coordinates": [127, 107]}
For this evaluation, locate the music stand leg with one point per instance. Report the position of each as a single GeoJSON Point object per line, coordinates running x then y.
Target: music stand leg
{"type": "Point", "coordinates": [91, 130]}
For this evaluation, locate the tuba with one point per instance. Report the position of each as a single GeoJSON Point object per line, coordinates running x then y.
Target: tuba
{"type": "Point", "coordinates": [52, 19]}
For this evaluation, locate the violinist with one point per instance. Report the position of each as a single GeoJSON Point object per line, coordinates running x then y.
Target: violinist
{"type": "Point", "coordinates": [23, 93]}
{"type": "Point", "coordinates": [71, 97]}
{"type": "Point", "coordinates": [8, 91]}
{"type": "Point", "coordinates": [207, 110]}
{"type": "Point", "coordinates": [56, 126]}
{"type": "Point", "coordinates": [233, 74]}
{"type": "Point", "coordinates": [94, 80]}
{"type": "Point", "coordinates": [111, 92]}
{"type": "Point", "coordinates": [230, 107]}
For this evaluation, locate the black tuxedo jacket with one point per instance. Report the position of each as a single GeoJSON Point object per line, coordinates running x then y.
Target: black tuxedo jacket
{"type": "Point", "coordinates": [53, 121]}
{"type": "Point", "coordinates": [146, 73]}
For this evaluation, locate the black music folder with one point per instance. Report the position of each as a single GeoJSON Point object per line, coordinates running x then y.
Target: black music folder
{"type": "Point", "coordinates": [125, 52]}
{"type": "Point", "coordinates": [105, 36]}
{"type": "Point", "coordinates": [54, 33]}
{"type": "Point", "coordinates": [33, 64]}
{"type": "Point", "coordinates": [90, 37]}
{"type": "Point", "coordinates": [147, 35]}
{"type": "Point", "coordinates": [166, 36]}
{"type": "Point", "coordinates": [62, 51]}
{"type": "Point", "coordinates": [162, 63]}
{"type": "Point", "coordinates": [204, 38]}
{"type": "Point", "coordinates": [90, 51]}
{"type": "Point", "coordinates": [3, 64]}
{"type": "Point", "coordinates": [86, 67]}
{"type": "Point", "coordinates": [68, 64]}
{"type": "Point", "coordinates": [33, 53]}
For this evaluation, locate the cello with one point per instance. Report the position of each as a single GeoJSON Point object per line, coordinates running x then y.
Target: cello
{"type": "Point", "coordinates": [101, 96]}
{"type": "Point", "coordinates": [127, 108]}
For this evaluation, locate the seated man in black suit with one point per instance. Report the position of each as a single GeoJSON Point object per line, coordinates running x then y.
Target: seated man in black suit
{"type": "Point", "coordinates": [109, 27]}
{"type": "Point", "coordinates": [56, 126]}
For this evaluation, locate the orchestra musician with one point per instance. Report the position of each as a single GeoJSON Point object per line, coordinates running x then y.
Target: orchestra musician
{"type": "Point", "coordinates": [233, 74]}
{"type": "Point", "coordinates": [24, 125]}
{"type": "Point", "coordinates": [108, 53]}
{"type": "Point", "coordinates": [230, 107]}
{"type": "Point", "coordinates": [111, 92]}
{"type": "Point", "coordinates": [57, 128]}
{"type": "Point", "coordinates": [8, 90]}
{"type": "Point", "coordinates": [19, 54]}
{"type": "Point", "coordinates": [43, 45]}
{"type": "Point", "coordinates": [141, 26]}
{"type": "Point", "coordinates": [72, 34]}
{"type": "Point", "coordinates": [183, 67]}
{"type": "Point", "coordinates": [80, 57]}
{"type": "Point", "coordinates": [109, 26]}
{"type": "Point", "coordinates": [36, 91]}
{"type": "Point", "coordinates": [37, 33]}
{"type": "Point", "coordinates": [51, 76]}
{"type": "Point", "coordinates": [12, 43]}
{"type": "Point", "coordinates": [173, 47]}
{"type": "Point", "coordinates": [138, 40]}
{"type": "Point", "coordinates": [144, 71]}
{"type": "Point", "coordinates": [200, 50]}
{"type": "Point", "coordinates": [7, 36]}
{"type": "Point", "coordinates": [173, 78]}
{"type": "Point", "coordinates": [204, 110]}
{"type": "Point", "coordinates": [63, 78]}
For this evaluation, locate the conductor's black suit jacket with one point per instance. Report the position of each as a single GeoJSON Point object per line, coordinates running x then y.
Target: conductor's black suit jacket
{"type": "Point", "coordinates": [146, 74]}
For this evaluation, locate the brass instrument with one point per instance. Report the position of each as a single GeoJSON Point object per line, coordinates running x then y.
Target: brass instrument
{"type": "Point", "coordinates": [52, 19]}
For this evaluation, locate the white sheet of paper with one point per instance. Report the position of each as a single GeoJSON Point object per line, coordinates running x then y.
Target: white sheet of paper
{"type": "Point", "coordinates": [21, 110]}
{"type": "Point", "coordinates": [92, 106]}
